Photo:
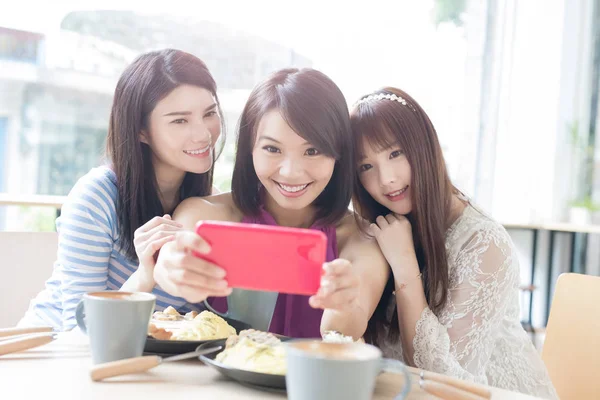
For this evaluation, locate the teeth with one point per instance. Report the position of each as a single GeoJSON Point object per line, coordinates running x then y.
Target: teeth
{"type": "Point", "coordinates": [195, 152]}
{"type": "Point", "coordinates": [292, 189]}
{"type": "Point", "coordinates": [397, 193]}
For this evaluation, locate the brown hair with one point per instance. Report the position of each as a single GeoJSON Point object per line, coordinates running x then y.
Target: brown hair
{"type": "Point", "coordinates": [146, 81]}
{"type": "Point", "coordinates": [315, 108]}
{"type": "Point", "coordinates": [383, 123]}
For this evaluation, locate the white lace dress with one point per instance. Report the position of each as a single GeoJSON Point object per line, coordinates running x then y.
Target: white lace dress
{"type": "Point", "coordinates": [478, 336]}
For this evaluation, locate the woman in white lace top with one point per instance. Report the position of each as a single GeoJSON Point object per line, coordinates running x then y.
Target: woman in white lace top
{"type": "Point", "coordinates": [452, 302]}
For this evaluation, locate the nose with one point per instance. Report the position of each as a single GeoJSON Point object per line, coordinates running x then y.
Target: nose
{"type": "Point", "coordinates": [201, 134]}
{"type": "Point", "coordinates": [290, 168]}
{"type": "Point", "coordinates": [387, 175]}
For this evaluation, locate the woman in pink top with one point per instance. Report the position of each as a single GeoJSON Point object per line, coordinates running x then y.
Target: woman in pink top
{"type": "Point", "coordinates": [294, 167]}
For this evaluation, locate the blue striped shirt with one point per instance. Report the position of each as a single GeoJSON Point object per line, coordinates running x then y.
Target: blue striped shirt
{"type": "Point", "coordinates": [89, 256]}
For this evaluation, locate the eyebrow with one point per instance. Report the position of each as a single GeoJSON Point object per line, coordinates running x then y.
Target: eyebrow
{"type": "Point", "coordinates": [177, 113]}
{"type": "Point", "coordinates": [209, 108]}
{"type": "Point", "coordinates": [389, 146]}
{"type": "Point", "coordinates": [265, 137]}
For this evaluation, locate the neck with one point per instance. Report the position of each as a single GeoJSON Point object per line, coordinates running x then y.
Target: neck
{"type": "Point", "coordinates": [169, 181]}
{"type": "Point", "coordinates": [303, 218]}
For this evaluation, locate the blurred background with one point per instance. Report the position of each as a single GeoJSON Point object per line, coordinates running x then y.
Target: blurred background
{"type": "Point", "coordinates": [511, 86]}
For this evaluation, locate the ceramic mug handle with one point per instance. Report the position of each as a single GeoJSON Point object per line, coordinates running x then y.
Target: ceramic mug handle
{"type": "Point", "coordinates": [390, 365]}
{"type": "Point", "coordinates": [80, 317]}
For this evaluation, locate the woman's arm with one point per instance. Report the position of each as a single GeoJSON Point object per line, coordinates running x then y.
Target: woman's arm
{"type": "Point", "coordinates": [177, 270]}
{"type": "Point", "coordinates": [153, 235]}
{"type": "Point", "coordinates": [85, 242]}
{"type": "Point", "coordinates": [148, 240]}
{"type": "Point", "coordinates": [369, 267]}
{"type": "Point", "coordinates": [477, 306]}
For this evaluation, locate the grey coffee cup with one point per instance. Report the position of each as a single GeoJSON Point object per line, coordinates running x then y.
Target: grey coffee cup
{"type": "Point", "coordinates": [116, 323]}
{"type": "Point", "coordinates": [250, 306]}
{"type": "Point", "coordinates": [325, 371]}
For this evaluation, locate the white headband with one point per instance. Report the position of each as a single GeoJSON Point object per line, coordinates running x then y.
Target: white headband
{"type": "Point", "coordinates": [381, 96]}
{"type": "Point", "coordinates": [385, 96]}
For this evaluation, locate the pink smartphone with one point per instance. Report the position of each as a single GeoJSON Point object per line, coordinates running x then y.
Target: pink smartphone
{"type": "Point", "coordinates": [264, 257]}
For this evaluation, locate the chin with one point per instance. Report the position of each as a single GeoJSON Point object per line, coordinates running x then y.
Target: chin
{"type": "Point", "coordinates": [293, 204]}
{"type": "Point", "coordinates": [199, 168]}
{"type": "Point", "coordinates": [404, 213]}
{"type": "Point", "coordinates": [402, 209]}
{"type": "Point", "coordinates": [297, 203]}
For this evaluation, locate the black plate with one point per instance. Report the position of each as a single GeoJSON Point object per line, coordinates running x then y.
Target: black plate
{"type": "Point", "coordinates": [156, 346]}
{"type": "Point", "coordinates": [254, 379]}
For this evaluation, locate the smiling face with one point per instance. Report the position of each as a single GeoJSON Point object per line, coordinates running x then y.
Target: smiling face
{"type": "Point", "coordinates": [182, 130]}
{"type": "Point", "coordinates": [293, 172]}
{"type": "Point", "coordinates": [294, 153]}
{"type": "Point", "coordinates": [386, 176]}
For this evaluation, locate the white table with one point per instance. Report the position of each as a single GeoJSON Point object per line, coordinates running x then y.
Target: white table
{"type": "Point", "coordinates": [60, 370]}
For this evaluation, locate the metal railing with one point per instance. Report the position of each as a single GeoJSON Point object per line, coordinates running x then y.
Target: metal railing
{"type": "Point", "coordinates": [33, 200]}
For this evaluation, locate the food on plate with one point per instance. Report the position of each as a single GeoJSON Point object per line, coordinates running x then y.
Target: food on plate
{"type": "Point", "coordinates": [159, 333]}
{"type": "Point", "coordinates": [171, 314]}
{"type": "Point", "coordinates": [171, 311]}
{"type": "Point", "coordinates": [171, 325]}
{"type": "Point", "coordinates": [254, 351]}
{"type": "Point", "coordinates": [259, 337]}
{"type": "Point", "coordinates": [168, 314]}
{"type": "Point", "coordinates": [190, 316]}
{"type": "Point", "coordinates": [205, 326]}
{"type": "Point", "coordinates": [263, 352]}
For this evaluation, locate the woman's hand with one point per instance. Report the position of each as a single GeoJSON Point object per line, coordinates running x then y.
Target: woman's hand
{"type": "Point", "coordinates": [394, 236]}
{"type": "Point", "coordinates": [180, 273]}
{"type": "Point", "coordinates": [339, 288]}
{"type": "Point", "coordinates": [148, 239]}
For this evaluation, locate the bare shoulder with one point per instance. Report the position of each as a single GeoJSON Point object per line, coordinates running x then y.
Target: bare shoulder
{"type": "Point", "coordinates": [362, 250]}
{"type": "Point", "coordinates": [349, 233]}
{"type": "Point", "coordinates": [219, 207]}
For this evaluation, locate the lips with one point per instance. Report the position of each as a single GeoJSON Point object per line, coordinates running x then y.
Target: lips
{"type": "Point", "coordinates": [292, 191]}
{"type": "Point", "coordinates": [196, 152]}
{"type": "Point", "coordinates": [292, 188]}
{"type": "Point", "coordinates": [397, 192]}
{"type": "Point", "coordinates": [397, 195]}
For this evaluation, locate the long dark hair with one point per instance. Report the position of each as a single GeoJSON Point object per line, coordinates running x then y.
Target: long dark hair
{"type": "Point", "coordinates": [146, 81]}
{"type": "Point", "coordinates": [383, 123]}
{"type": "Point", "coordinates": [315, 108]}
